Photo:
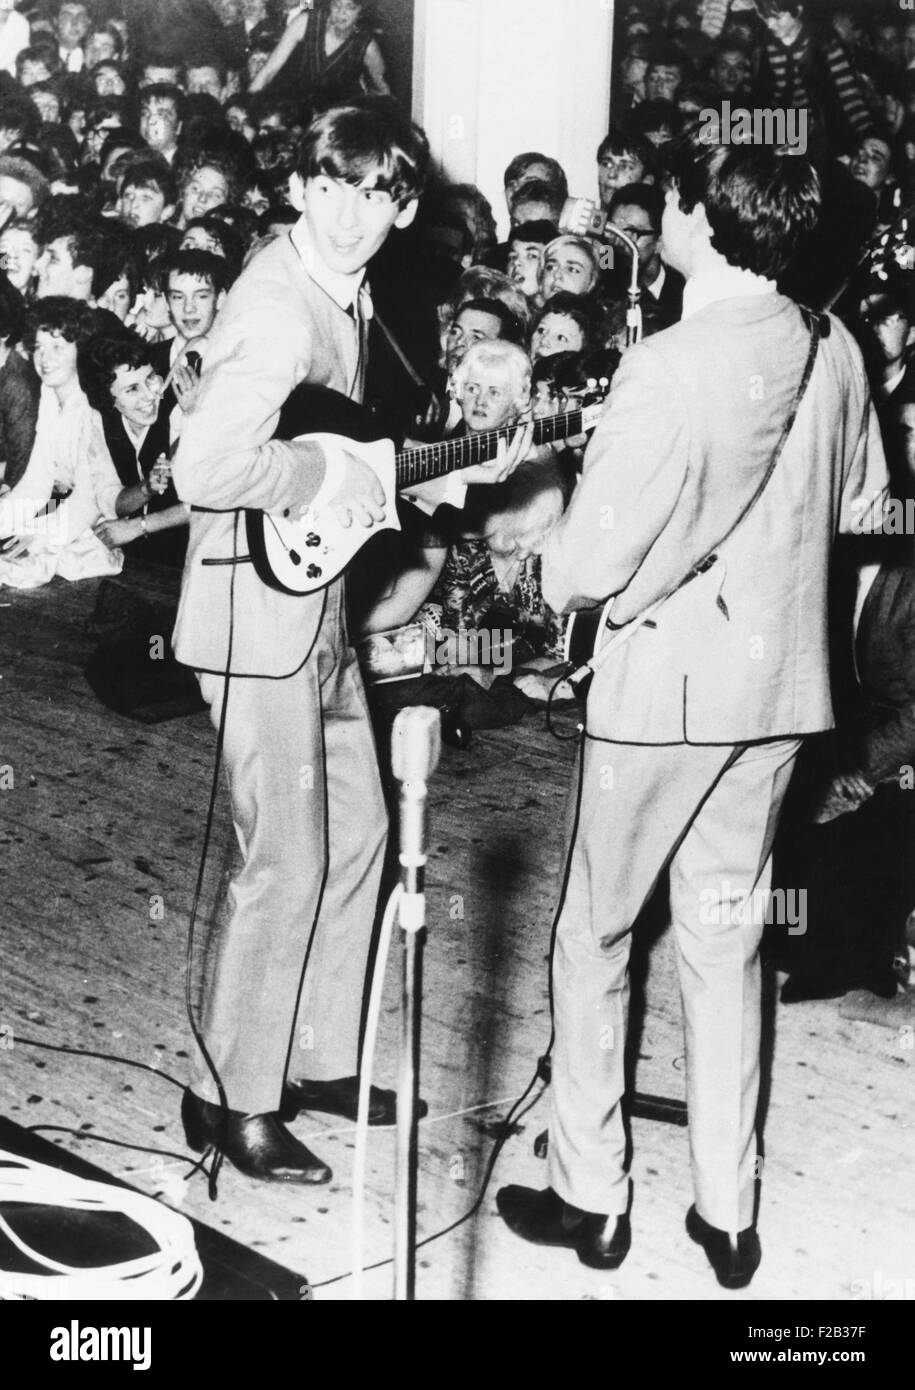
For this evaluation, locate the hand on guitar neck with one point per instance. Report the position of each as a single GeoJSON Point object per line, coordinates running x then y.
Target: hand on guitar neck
{"type": "Point", "coordinates": [509, 453]}
{"type": "Point", "coordinates": [360, 496]}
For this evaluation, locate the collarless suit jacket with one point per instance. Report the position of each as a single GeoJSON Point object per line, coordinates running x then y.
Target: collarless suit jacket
{"type": "Point", "coordinates": [277, 328]}
{"type": "Point", "coordinates": [692, 421]}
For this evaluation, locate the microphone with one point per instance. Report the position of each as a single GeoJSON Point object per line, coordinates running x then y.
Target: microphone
{"type": "Point", "coordinates": [583, 217]}
{"type": "Point", "coordinates": [416, 746]}
{"type": "Point", "coordinates": [416, 743]}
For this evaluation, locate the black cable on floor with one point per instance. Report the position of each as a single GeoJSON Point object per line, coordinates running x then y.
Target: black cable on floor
{"type": "Point", "coordinates": [102, 1056]}
{"type": "Point", "coordinates": [116, 1143]}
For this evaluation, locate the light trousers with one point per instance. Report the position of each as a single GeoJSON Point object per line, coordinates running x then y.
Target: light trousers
{"type": "Point", "coordinates": [711, 813]}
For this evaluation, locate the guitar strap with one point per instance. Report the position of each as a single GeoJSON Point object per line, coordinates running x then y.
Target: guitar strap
{"type": "Point", "coordinates": [818, 326]}
{"type": "Point", "coordinates": [404, 360]}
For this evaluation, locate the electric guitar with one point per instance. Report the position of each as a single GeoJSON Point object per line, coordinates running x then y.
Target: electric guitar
{"type": "Point", "coordinates": [585, 633]}
{"type": "Point", "coordinates": [302, 556]}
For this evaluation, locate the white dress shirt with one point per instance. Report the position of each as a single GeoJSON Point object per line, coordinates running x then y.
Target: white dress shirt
{"type": "Point", "coordinates": [724, 282]}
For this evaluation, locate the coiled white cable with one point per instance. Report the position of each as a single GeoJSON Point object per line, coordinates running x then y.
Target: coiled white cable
{"type": "Point", "coordinates": [172, 1272]}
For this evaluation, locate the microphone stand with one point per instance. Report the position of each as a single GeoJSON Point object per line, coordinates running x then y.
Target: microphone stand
{"type": "Point", "coordinates": [634, 293]}
{"type": "Point", "coordinates": [415, 750]}
{"type": "Point", "coordinates": [597, 225]}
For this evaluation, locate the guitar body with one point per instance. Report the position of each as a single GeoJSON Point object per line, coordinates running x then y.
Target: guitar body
{"type": "Point", "coordinates": [585, 633]}
{"type": "Point", "coordinates": [301, 556]}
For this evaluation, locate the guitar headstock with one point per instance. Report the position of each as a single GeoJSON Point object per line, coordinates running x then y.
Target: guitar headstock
{"type": "Point", "coordinates": [590, 400]}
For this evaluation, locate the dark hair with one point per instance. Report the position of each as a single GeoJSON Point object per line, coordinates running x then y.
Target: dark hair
{"type": "Point", "coordinates": [120, 138]}
{"type": "Point", "coordinates": [516, 168]}
{"type": "Point", "coordinates": [760, 205]}
{"type": "Point", "coordinates": [237, 224]}
{"type": "Point", "coordinates": [666, 55]}
{"type": "Point", "coordinates": [274, 216]}
{"type": "Point", "coordinates": [368, 138]}
{"type": "Point", "coordinates": [18, 113]}
{"type": "Point", "coordinates": [731, 43]}
{"type": "Point", "coordinates": [231, 242]}
{"type": "Point", "coordinates": [579, 307]}
{"type": "Point", "coordinates": [150, 242]}
{"type": "Point", "coordinates": [698, 93]}
{"type": "Point", "coordinates": [12, 312]}
{"type": "Point", "coordinates": [59, 148]}
{"type": "Point", "coordinates": [539, 231]}
{"type": "Point", "coordinates": [58, 313]}
{"type": "Point", "coordinates": [102, 109]}
{"type": "Point", "coordinates": [624, 140]}
{"type": "Point", "coordinates": [202, 119]}
{"type": "Point", "coordinates": [84, 234]}
{"type": "Point", "coordinates": [113, 33]}
{"type": "Point", "coordinates": [546, 370]}
{"type": "Point", "coordinates": [202, 265]}
{"type": "Point", "coordinates": [652, 115]}
{"type": "Point", "coordinates": [114, 63]}
{"type": "Point", "coordinates": [204, 60]}
{"type": "Point", "coordinates": [239, 101]}
{"type": "Point", "coordinates": [150, 170]}
{"type": "Point", "coordinates": [161, 91]}
{"type": "Point", "coordinates": [884, 303]}
{"type": "Point", "coordinates": [646, 196]}
{"type": "Point", "coordinates": [274, 153]}
{"type": "Point", "coordinates": [538, 191]}
{"type": "Point", "coordinates": [511, 329]}
{"type": "Point", "coordinates": [99, 357]}
{"type": "Point", "coordinates": [119, 262]}
{"type": "Point", "coordinates": [41, 51]}
{"type": "Point", "coordinates": [50, 87]}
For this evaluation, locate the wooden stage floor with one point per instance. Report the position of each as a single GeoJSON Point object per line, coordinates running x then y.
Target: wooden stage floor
{"type": "Point", "coordinates": [104, 814]}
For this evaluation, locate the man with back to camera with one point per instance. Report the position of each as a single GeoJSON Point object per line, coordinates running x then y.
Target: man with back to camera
{"type": "Point", "coordinates": [695, 720]}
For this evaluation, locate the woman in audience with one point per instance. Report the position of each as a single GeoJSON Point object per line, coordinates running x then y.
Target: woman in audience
{"type": "Point", "coordinates": [491, 572]}
{"type": "Point", "coordinates": [566, 323]}
{"type": "Point", "coordinates": [119, 380]}
{"type": "Point", "coordinates": [329, 52]}
{"type": "Point", "coordinates": [70, 483]}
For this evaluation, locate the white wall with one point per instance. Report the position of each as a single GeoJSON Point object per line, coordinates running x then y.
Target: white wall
{"type": "Point", "coordinates": [494, 77]}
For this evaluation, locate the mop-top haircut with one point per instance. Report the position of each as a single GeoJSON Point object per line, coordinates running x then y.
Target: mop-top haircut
{"type": "Point", "coordinates": [760, 203]}
{"type": "Point", "coordinates": [368, 139]}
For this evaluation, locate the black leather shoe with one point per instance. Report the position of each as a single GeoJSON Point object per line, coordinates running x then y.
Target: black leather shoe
{"type": "Point", "coordinates": [257, 1145]}
{"type": "Point", "coordinates": [341, 1097]}
{"type": "Point", "coordinates": [601, 1242]}
{"type": "Point", "coordinates": [734, 1267]}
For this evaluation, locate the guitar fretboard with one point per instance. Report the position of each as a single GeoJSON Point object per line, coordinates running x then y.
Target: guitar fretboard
{"type": "Point", "coordinates": [433, 460]}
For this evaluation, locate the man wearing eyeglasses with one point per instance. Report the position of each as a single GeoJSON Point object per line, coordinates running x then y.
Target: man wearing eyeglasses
{"type": "Point", "coordinates": [636, 210]}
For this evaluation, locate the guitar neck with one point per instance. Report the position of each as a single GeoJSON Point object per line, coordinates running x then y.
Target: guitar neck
{"type": "Point", "coordinates": [430, 461]}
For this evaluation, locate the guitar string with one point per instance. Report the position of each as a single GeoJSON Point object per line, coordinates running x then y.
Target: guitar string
{"type": "Point", "coordinates": [438, 454]}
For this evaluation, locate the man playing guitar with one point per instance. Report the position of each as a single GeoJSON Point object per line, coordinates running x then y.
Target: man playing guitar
{"type": "Point", "coordinates": [285, 973]}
